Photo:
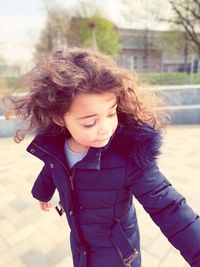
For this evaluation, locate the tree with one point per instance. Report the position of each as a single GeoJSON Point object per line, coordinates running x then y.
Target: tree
{"type": "Point", "coordinates": [147, 44]}
{"type": "Point", "coordinates": [96, 32]}
{"type": "Point", "coordinates": [174, 42]}
{"type": "Point", "coordinates": [140, 15]}
{"type": "Point", "coordinates": [186, 14]}
{"type": "Point", "coordinates": [63, 30]}
{"type": "Point", "coordinates": [54, 34]}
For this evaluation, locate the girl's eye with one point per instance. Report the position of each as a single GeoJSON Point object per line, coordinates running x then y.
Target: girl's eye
{"type": "Point", "coordinates": [89, 125]}
{"type": "Point", "coordinates": [93, 124]}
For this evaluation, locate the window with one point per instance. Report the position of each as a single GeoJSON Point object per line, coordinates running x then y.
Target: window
{"type": "Point", "coordinates": [144, 62]}
{"type": "Point", "coordinates": [135, 62]}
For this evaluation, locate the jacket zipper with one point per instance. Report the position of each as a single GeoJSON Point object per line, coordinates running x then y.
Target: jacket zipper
{"type": "Point", "coordinates": [71, 182]}
{"type": "Point", "coordinates": [71, 178]}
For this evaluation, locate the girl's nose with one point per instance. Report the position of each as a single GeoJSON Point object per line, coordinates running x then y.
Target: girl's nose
{"type": "Point", "coordinates": [103, 130]}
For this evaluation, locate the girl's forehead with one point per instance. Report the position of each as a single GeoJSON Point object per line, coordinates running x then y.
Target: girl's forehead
{"type": "Point", "coordinates": [87, 103]}
{"type": "Point", "coordinates": [91, 99]}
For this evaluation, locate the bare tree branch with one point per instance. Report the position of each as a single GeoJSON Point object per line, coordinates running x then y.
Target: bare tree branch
{"type": "Point", "coordinates": [187, 16]}
{"type": "Point", "coordinates": [189, 8]}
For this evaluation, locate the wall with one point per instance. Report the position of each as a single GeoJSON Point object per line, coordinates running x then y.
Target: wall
{"type": "Point", "coordinates": [183, 103]}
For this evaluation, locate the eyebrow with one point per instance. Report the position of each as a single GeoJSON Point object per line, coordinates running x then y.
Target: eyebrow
{"type": "Point", "coordinates": [93, 115]}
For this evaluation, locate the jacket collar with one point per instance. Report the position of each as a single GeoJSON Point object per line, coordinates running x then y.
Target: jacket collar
{"type": "Point", "coordinates": [44, 145]}
{"type": "Point", "coordinates": [139, 143]}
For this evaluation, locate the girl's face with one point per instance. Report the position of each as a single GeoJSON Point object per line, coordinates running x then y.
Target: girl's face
{"type": "Point", "coordinates": [91, 120]}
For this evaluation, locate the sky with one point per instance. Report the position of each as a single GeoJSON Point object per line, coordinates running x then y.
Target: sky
{"type": "Point", "coordinates": [22, 20]}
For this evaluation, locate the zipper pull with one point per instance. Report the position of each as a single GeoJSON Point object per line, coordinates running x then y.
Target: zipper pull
{"type": "Point", "coordinates": [60, 209]}
{"type": "Point", "coordinates": [71, 182]}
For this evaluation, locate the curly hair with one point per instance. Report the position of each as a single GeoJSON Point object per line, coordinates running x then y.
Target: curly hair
{"type": "Point", "coordinates": [56, 80]}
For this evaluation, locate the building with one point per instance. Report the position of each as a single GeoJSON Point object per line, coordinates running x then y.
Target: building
{"type": "Point", "coordinates": [146, 51]}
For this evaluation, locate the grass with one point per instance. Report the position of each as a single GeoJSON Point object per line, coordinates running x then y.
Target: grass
{"type": "Point", "coordinates": [169, 78]}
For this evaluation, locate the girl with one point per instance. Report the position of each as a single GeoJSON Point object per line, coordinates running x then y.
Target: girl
{"type": "Point", "coordinates": [99, 136]}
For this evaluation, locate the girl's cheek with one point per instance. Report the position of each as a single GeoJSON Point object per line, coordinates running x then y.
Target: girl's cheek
{"type": "Point", "coordinates": [87, 136]}
{"type": "Point", "coordinates": [91, 136]}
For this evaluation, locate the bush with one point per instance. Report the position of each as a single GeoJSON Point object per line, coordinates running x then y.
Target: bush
{"type": "Point", "coordinates": [169, 78]}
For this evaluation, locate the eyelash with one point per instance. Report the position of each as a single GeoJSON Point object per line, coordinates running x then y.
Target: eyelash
{"type": "Point", "coordinates": [89, 126]}
{"type": "Point", "coordinates": [92, 125]}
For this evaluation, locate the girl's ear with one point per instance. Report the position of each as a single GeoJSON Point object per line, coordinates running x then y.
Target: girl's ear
{"type": "Point", "coordinates": [59, 121]}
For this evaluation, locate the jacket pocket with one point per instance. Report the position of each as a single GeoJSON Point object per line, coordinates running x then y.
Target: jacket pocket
{"type": "Point", "coordinates": [128, 222]}
{"type": "Point", "coordinates": [125, 238]}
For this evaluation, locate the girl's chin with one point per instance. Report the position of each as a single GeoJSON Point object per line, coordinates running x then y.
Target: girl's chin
{"type": "Point", "coordinates": [101, 143]}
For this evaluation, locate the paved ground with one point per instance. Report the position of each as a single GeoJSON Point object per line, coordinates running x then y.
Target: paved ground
{"type": "Point", "coordinates": [30, 237]}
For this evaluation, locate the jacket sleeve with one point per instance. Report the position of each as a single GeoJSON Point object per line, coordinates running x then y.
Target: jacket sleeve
{"type": "Point", "coordinates": [168, 209]}
{"type": "Point", "coordinates": [44, 187]}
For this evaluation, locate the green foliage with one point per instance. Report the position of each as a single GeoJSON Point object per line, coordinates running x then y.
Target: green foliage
{"type": "Point", "coordinates": [174, 41]}
{"type": "Point", "coordinates": [100, 32]}
{"type": "Point", "coordinates": [170, 41]}
{"type": "Point", "coordinates": [169, 78]}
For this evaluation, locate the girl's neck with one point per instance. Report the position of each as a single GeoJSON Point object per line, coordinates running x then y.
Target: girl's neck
{"type": "Point", "coordinates": [76, 147]}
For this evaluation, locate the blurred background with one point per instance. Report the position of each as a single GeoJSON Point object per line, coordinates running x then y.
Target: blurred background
{"type": "Point", "coordinates": [160, 40]}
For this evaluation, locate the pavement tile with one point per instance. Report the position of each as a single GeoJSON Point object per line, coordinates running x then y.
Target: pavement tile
{"type": "Point", "coordinates": [33, 258]}
{"type": "Point", "coordinates": [3, 245]}
{"type": "Point", "coordinates": [149, 260]}
{"type": "Point", "coordinates": [13, 253]}
{"type": "Point", "coordinates": [20, 205]}
{"type": "Point", "coordinates": [67, 261]}
{"type": "Point", "coordinates": [58, 253]}
{"type": "Point", "coordinates": [7, 228]}
{"type": "Point", "coordinates": [17, 263]}
{"type": "Point", "coordinates": [160, 247]}
{"type": "Point", "coordinates": [170, 258]}
{"type": "Point", "coordinates": [21, 234]}
{"type": "Point", "coordinates": [42, 242]}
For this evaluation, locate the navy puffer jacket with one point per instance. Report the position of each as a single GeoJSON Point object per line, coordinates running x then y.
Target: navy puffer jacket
{"type": "Point", "coordinates": [96, 196]}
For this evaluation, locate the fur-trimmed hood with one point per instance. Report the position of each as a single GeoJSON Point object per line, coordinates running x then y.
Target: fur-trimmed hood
{"type": "Point", "coordinates": [140, 143]}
